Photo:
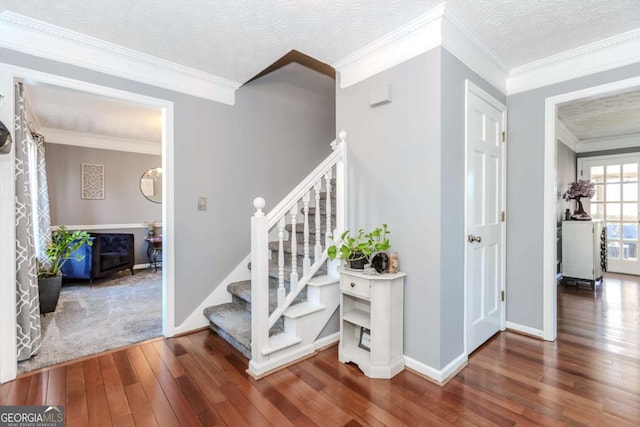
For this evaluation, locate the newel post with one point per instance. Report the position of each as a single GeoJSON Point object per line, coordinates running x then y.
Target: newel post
{"type": "Point", "coordinates": [341, 192]}
{"type": "Point", "coordinates": [259, 280]}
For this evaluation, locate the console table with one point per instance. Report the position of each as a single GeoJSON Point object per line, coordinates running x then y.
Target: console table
{"type": "Point", "coordinates": [371, 322]}
{"type": "Point", "coordinates": [154, 251]}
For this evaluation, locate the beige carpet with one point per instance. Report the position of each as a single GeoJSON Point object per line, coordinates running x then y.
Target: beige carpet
{"type": "Point", "coordinates": [114, 312]}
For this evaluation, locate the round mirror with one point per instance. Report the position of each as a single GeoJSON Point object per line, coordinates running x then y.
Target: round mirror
{"type": "Point", "coordinates": [151, 185]}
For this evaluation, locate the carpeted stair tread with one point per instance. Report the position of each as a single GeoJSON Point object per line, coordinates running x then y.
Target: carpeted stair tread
{"type": "Point", "coordinates": [242, 291]}
{"type": "Point", "coordinates": [274, 269]}
{"type": "Point", "coordinates": [233, 324]}
{"type": "Point", "coordinates": [274, 246]}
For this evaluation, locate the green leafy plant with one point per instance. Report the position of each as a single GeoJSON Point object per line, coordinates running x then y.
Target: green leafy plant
{"type": "Point", "coordinates": [63, 243]}
{"type": "Point", "coordinates": [361, 245]}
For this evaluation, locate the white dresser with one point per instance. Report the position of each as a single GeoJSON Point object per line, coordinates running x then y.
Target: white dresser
{"type": "Point", "coordinates": [581, 250]}
{"type": "Point", "coordinates": [371, 315]}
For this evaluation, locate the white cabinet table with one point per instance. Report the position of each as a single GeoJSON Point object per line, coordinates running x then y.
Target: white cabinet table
{"type": "Point", "coordinates": [583, 250]}
{"type": "Point", "coordinates": [371, 322]}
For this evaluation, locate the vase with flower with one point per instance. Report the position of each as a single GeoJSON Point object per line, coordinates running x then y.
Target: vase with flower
{"type": "Point", "coordinates": [577, 190]}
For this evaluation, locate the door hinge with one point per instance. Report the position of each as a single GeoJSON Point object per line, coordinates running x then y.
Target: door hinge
{"type": "Point", "coordinates": [504, 136]}
{"type": "Point", "coordinates": [502, 295]}
{"type": "Point", "coordinates": [502, 216]}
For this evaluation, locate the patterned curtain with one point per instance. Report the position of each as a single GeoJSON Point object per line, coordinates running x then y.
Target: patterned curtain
{"type": "Point", "coordinates": [28, 307]}
{"type": "Point", "coordinates": [42, 216]}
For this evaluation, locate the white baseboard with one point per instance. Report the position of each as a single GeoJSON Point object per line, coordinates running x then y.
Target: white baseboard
{"type": "Point", "coordinates": [326, 341]}
{"type": "Point", "coordinates": [141, 266]}
{"type": "Point", "coordinates": [525, 329]}
{"type": "Point", "coordinates": [437, 375]}
{"type": "Point", "coordinates": [219, 295]}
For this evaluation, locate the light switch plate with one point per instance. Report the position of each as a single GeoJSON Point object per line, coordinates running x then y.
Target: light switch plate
{"type": "Point", "coordinates": [202, 203]}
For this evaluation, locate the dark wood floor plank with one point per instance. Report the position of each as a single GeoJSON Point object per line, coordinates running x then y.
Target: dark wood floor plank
{"type": "Point", "coordinates": [97, 404]}
{"type": "Point", "coordinates": [179, 402]}
{"type": "Point", "coordinates": [230, 415]}
{"type": "Point", "coordinates": [203, 379]}
{"type": "Point", "coordinates": [160, 405]}
{"type": "Point", "coordinates": [57, 386]}
{"type": "Point", "coordinates": [37, 391]}
{"type": "Point", "coordinates": [76, 401]}
{"type": "Point", "coordinates": [307, 393]}
{"type": "Point", "coordinates": [125, 370]}
{"type": "Point", "coordinates": [286, 382]}
{"type": "Point", "coordinates": [170, 359]}
{"type": "Point", "coordinates": [205, 411]}
{"type": "Point", "coordinates": [139, 404]}
{"type": "Point", "coordinates": [116, 396]}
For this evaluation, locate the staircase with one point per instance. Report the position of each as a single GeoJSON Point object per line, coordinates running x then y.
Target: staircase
{"type": "Point", "coordinates": [276, 317]}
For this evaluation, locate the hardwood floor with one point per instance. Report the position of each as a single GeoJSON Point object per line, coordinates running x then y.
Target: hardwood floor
{"type": "Point", "coordinates": [590, 376]}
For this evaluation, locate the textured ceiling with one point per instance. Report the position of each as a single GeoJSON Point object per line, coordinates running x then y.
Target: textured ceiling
{"type": "Point", "coordinates": [236, 39]}
{"type": "Point", "coordinates": [231, 39]}
{"type": "Point", "coordinates": [522, 31]}
{"type": "Point", "coordinates": [607, 116]}
{"type": "Point", "coordinates": [71, 110]}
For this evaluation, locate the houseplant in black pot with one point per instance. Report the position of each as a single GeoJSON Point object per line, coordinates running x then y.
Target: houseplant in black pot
{"type": "Point", "coordinates": [358, 249]}
{"type": "Point", "coordinates": [60, 250]}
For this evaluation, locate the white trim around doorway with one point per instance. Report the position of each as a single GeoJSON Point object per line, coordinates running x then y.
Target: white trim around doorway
{"type": "Point", "coordinates": [549, 292]}
{"type": "Point", "coordinates": [8, 75]}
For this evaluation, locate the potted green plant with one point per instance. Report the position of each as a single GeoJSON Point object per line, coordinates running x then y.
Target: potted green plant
{"type": "Point", "coordinates": [60, 249]}
{"type": "Point", "coordinates": [359, 248]}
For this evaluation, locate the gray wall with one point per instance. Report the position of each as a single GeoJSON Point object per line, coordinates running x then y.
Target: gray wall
{"type": "Point", "coordinates": [407, 170]}
{"type": "Point", "coordinates": [525, 191]}
{"type": "Point", "coordinates": [264, 145]}
{"type": "Point", "coordinates": [565, 174]}
{"type": "Point", "coordinates": [122, 172]}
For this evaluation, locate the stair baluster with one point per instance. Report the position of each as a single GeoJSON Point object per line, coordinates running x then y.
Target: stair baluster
{"type": "Point", "coordinates": [282, 293]}
{"type": "Point", "coordinates": [293, 281]}
{"type": "Point", "coordinates": [306, 262]}
{"type": "Point", "coordinates": [318, 247]}
{"type": "Point", "coordinates": [327, 179]}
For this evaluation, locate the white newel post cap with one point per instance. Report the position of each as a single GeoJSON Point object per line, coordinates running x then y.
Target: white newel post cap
{"type": "Point", "coordinates": [259, 203]}
{"type": "Point", "coordinates": [342, 135]}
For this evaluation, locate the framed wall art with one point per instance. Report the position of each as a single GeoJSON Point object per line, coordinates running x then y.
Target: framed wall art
{"type": "Point", "coordinates": [92, 181]}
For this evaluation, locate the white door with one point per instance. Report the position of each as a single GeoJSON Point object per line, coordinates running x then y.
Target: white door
{"type": "Point", "coordinates": [484, 276]}
{"type": "Point", "coordinates": [616, 202]}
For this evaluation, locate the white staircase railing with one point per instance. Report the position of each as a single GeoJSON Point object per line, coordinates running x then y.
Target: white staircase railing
{"type": "Point", "coordinates": [295, 206]}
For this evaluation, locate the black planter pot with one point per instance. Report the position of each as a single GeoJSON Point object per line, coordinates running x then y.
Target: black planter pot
{"type": "Point", "coordinates": [357, 260]}
{"type": "Point", "coordinates": [49, 292]}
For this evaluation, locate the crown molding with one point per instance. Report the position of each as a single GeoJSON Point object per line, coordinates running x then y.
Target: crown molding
{"type": "Point", "coordinates": [34, 37]}
{"type": "Point", "coordinates": [408, 41]}
{"type": "Point", "coordinates": [566, 136]}
{"type": "Point", "coordinates": [603, 55]}
{"type": "Point", "coordinates": [610, 143]}
{"type": "Point", "coordinates": [461, 41]}
{"type": "Point", "coordinates": [90, 140]}
{"type": "Point", "coordinates": [439, 27]}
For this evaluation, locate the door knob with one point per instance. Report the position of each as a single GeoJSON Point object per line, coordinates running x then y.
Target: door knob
{"type": "Point", "coordinates": [471, 238]}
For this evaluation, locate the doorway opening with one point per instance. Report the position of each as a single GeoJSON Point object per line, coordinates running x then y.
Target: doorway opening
{"type": "Point", "coordinates": [10, 76]}
{"type": "Point", "coordinates": [552, 192]}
